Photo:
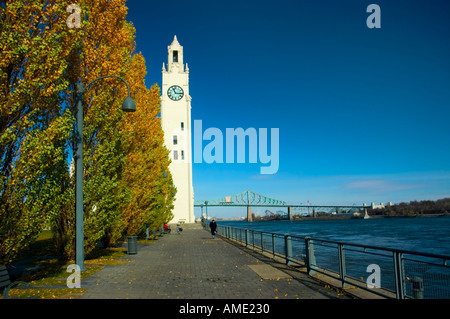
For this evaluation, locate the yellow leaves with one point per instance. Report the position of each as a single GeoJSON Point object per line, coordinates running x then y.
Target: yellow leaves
{"type": "Point", "coordinates": [142, 173]}
{"type": "Point", "coordinates": [50, 64]}
{"type": "Point", "coordinates": [107, 261]}
{"type": "Point", "coordinates": [55, 293]}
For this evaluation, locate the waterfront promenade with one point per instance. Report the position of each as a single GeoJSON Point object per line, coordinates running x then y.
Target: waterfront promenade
{"type": "Point", "coordinates": [192, 265]}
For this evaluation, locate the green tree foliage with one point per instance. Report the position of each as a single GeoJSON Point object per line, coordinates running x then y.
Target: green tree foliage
{"type": "Point", "coordinates": [107, 46]}
{"type": "Point", "coordinates": [415, 208]}
{"type": "Point", "coordinates": [146, 168]}
{"type": "Point", "coordinates": [33, 125]}
{"type": "Point", "coordinates": [41, 61]}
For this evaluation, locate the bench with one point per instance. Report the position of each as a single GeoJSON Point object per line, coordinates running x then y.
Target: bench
{"type": "Point", "coordinates": [5, 281]}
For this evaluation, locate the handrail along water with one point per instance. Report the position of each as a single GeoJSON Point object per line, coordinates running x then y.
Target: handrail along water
{"type": "Point", "coordinates": [403, 274]}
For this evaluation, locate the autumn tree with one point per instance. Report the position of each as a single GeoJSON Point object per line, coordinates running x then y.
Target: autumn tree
{"type": "Point", "coordinates": [124, 186]}
{"type": "Point", "coordinates": [146, 171]}
{"type": "Point", "coordinates": [35, 44]}
{"type": "Point", "coordinates": [41, 61]}
{"type": "Point", "coordinates": [105, 49]}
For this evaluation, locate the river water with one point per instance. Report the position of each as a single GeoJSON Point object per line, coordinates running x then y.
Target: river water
{"type": "Point", "coordinates": [421, 234]}
{"type": "Point", "coordinates": [425, 234]}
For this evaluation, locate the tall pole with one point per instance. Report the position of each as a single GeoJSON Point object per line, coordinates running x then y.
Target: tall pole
{"type": "Point", "coordinates": [249, 209]}
{"type": "Point", "coordinates": [128, 106]}
{"type": "Point", "coordinates": [79, 218]}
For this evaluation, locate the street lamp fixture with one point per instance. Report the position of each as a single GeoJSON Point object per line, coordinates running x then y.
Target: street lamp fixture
{"type": "Point", "coordinates": [128, 105]}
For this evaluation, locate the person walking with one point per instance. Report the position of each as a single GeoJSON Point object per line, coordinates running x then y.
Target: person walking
{"type": "Point", "coordinates": [213, 227]}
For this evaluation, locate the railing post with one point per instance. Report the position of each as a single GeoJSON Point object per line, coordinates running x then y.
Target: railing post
{"type": "Point", "coordinates": [288, 249]}
{"type": "Point", "coordinates": [273, 245]}
{"type": "Point", "coordinates": [399, 275]}
{"type": "Point", "coordinates": [262, 243]}
{"type": "Point", "coordinates": [310, 258]}
{"type": "Point", "coordinates": [247, 235]}
{"type": "Point", "coordinates": [253, 239]}
{"type": "Point", "coordinates": [342, 270]}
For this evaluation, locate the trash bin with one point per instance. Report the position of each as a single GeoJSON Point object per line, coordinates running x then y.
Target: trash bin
{"type": "Point", "coordinates": [132, 245]}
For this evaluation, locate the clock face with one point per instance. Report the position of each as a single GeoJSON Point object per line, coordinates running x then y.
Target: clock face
{"type": "Point", "coordinates": [175, 92]}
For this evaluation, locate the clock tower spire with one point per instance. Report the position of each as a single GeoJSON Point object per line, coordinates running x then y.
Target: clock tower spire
{"type": "Point", "coordinates": [176, 124]}
{"type": "Point", "coordinates": [175, 58]}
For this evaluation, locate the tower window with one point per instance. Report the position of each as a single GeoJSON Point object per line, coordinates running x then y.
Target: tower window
{"type": "Point", "coordinates": [175, 155]}
{"type": "Point", "coordinates": [175, 56]}
{"type": "Point", "coordinates": [175, 140]}
{"type": "Point", "coordinates": [182, 126]}
{"type": "Point", "coordinates": [182, 155]}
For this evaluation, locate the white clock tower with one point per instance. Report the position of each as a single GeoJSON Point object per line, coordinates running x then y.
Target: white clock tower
{"type": "Point", "coordinates": [176, 124]}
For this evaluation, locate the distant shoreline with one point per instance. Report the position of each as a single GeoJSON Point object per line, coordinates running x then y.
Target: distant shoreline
{"type": "Point", "coordinates": [306, 218]}
{"type": "Point", "coordinates": [372, 217]}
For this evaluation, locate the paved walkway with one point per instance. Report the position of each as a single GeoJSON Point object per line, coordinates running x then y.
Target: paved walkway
{"type": "Point", "coordinates": [192, 265]}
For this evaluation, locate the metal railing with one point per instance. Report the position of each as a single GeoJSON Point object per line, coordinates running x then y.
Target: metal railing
{"type": "Point", "coordinates": [390, 273]}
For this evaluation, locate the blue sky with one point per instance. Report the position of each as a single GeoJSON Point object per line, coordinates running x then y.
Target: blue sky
{"type": "Point", "coordinates": [363, 114]}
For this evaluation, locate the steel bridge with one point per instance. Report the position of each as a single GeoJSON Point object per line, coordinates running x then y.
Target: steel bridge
{"type": "Point", "coordinates": [251, 199]}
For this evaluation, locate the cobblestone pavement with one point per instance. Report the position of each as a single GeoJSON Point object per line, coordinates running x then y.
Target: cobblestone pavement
{"type": "Point", "coordinates": [192, 265]}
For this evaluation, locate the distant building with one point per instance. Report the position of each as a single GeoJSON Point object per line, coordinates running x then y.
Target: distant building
{"type": "Point", "coordinates": [381, 205]}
